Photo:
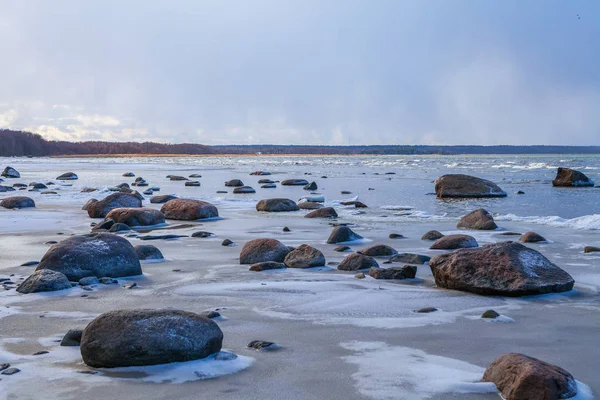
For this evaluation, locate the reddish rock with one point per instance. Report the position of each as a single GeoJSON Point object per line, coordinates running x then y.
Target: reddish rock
{"type": "Point", "coordinates": [188, 210]}
{"type": "Point", "coordinates": [571, 178]}
{"type": "Point", "coordinates": [452, 242]}
{"type": "Point", "coordinates": [466, 186]}
{"type": "Point", "coordinates": [479, 219]}
{"type": "Point", "coordinates": [531, 237]}
{"type": "Point", "coordinates": [304, 256]}
{"type": "Point", "coordinates": [261, 250]}
{"type": "Point", "coordinates": [357, 261]}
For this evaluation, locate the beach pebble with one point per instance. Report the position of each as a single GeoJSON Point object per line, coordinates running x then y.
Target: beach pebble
{"type": "Point", "coordinates": [130, 285]}
{"type": "Point", "coordinates": [360, 275]}
{"type": "Point", "coordinates": [396, 236]}
{"type": "Point", "coordinates": [260, 173]}
{"type": "Point", "coordinates": [426, 310]}
{"type": "Point", "coordinates": [128, 174]}
{"type": "Point", "coordinates": [226, 242]}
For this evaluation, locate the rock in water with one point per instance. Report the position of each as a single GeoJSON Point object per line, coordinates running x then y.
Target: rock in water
{"type": "Point", "coordinates": [591, 249]}
{"type": "Point", "coordinates": [162, 198]}
{"type": "Point", "coordinates": [126, 338]}
{"type": "Point", "coordinates": [451, 242]}
{"type": "Point", "coordinates": [148, 252]}
{"type": "Point", "coordinates": [87, 204]}
{"type": "Point", "coordinates": [188, 210]}
{"type": "Point", "coordinates": [506, 269]}
{"type": "Point", "coordinates": [571, 178]}
{"type": "Point", "coordinates": [276, 205]}
{"type": "Point", "coordinates": [294, 182]}
{"type": "Point", "coordinates": [261, 250]}
{"type": "Point", "coordinates": [378, 250]}
{"type": "Point", "coordinates": [10, 172]}
{"type": "Point", "coordinates": [519, 377]}
{"type": "Point", "coordinates": [341, 234]}
{"type": "Point", "coordinates": [357, 261]}
{"type": "Point", "coordinates": [531, 237]}
{"type": "Point", "coordinates": [244, 189]}
{"type": "Point", "coordinates": [16, 202]}
{"type": "Point", "coordinates": [325, 212]}
{"type": "Point", "coordinates": [234, 183]}
{"type": "Point", "coordinates": [267, 265]}
{"type": "Point", "coordinates": [490, 314]}
{"type": "Point", "coordinates": [72, 338]}
{"type": "Point", "coordinates": [311, 186]}
{"type": "Point", "coordinates": [304, 256]}
{"type": "Point", "coordinates": [432, 235]}
{"type": "Point", "coordinates": [44, 281]}
{"type": "Point", "coordinates": [101, 208]}
{"type": "Point", "coordinates": [98, 254]}
{"type": "Point", "coordinates": [479, 219]}
{"type": "Point", "coordinates": [68, 176]}
{"type": "Point", "coordinates": [139, 216]}
{"type": "Point", "coordinates": [466, 186]}
{"type": "Point", "coordinates": [406, 272]}
{"type": "Point", "coordinates": [410, 258]}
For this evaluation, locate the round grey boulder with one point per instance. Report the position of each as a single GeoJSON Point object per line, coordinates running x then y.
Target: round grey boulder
{"type": "Point", "coordinates": [125, 338]}
{"type": "Point", "coordinates": [139, 216]}
{"type": "Point", "coordinates": [16, 202]}
{"type": "Point", "coordinates": [148, 252]}
{"type": "Point", "coordinates": [44, 281]}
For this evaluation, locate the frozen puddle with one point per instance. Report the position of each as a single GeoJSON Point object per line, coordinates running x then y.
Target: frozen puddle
{"type": "Point", "coordinates": [389, 372]}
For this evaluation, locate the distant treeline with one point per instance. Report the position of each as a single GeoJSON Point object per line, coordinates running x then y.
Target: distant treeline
{"type": "Point", "coordinates": [18, 143]}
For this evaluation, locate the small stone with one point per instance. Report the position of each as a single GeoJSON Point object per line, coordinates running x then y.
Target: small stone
{"type": "Point", "coordinates": [360, 275]}
{"type": "Point", "coordinates": [130, 285]}
{"type": "Point", "coordinates": [39, 353]}
{"type": "Point", "coordinates": [226, 242]}
{"type": "Point", "coordinates": [30, 263]}
{"type": "Point", "coordinates": [87, 372]}
{"type": "Point", "coordinates": [286, 229]}
{"type": "Point", "coordinates": [210, 314]}
{"type": "Point", "coordinates": [490, 314]}
{"type": "Point", "coordinates": [520, 192]}
{"type": "Point", "coordinates": [342, 248]}
{"type": "Point", "coordinates": [4, 366]}
{"type": "Point", "coordinates": [202, 234]}
{"type": "Point", "coordinates": [426, 310]}
{"type": "Point", "coordinates": [10, 371]}
{"type": "Point", "coordinates": [262, 345]}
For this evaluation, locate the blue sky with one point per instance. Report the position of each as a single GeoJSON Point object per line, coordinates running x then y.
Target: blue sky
{"type": "Point", "coordinates": [303, 71]}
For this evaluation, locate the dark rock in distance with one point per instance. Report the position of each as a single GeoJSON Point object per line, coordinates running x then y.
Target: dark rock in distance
{"type": "Point", "coordinates": [405, 272]}
{"type": "Point", "coordinates": [341, 234]}
{"type": "Point", "coordinates": [531, 237]}
{"type": "Point", "coordinates": [432, 235]}
{"type": "Point", "coordinates": [567, 177]}
{"type": "Point", "coordinates": [357, 261]}
{"type": "Point", "coordinates": [466, 186]}
{"type": "Point", "coordinates": [452, 242]}
{"type": "Point", "coordinates": [276, 205]}
{"type": "Point", "coordinates": [325, 212]}
{"type": "Point", "coordinates": [72, 337]}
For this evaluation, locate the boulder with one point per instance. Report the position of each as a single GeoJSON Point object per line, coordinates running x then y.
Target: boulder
{"type": "Point", "coordinates": [177, 178]}
{"type": "Point", "coordinates": [591, 249]}
{"type": "Point", "coordinates": [260, 173]}
{"type": "Point", "coordinates": [571, 178]}
{"type": "Point", "coordinates": [505, 269]}
{"type": "Point", "coordinates": [276, 205]}
{"type": "Point", "coordinates": [466, 186]}
{"type": "Point", "coordinates": [162, 198]}
{"type": "Point", "coordinates": [479, 219]}
{"type": "Point", "coordinates": [341, 234]}
{"type": "Point", "coordinates": [148, 252]}
{"type": "Point", "coordinates": [378, 250]}
{"type": "Point", "coordinates": [309, 205]}
{"type": "Point", "coordinates": [234, 183]}
{"type": "Point", "coordinates": [192, 183]}
{"type": "Point", "coordinates": [88, 280]}
{"type": "Point", "coordinates": [356, 204]}
{"type": "Point", "coordinates": [128, 174]}
{"type": "Point", "coordinates": [44, 281]}
{"type": "Point", "coordinates": [124, 338]}
{"type": "Point", "coordinates": [326, 212]}
{"type": "Point", "coordinates": [405, 272]}
{"type": "Point", "coordinates": [202, 234]}
{"type": "Point", "coordinates": [244, 189]}
{"type": "Point", "coordinates": [10, 172]}
{"type": "Point", "coordinates": [304, 256]}
{"type": "Point", "coordinates": [36, 185]}
{"type": "Point", "coordinates": [136, 216]}
{"type": "Point", "coordinates": [519, 377]}
{"type": "Point", "coordinates": [261, 181]}
{"type": "Point", "coordinates": [268, 186]}
{"type": "Point", "coordinates": [267, 265]}
{"type": "Point", "coordinates": [72, 338]}
{"type": "Point", "coordinates": [311, 186]}
{"type": "Point", "coordinates": [451, 242]}
{"type": "Point", "coordinates": [118, 227]}
{"type": "Point", "coordinates": [531, 237]}
{"type": "Point", "coordinates": [294, 182]}
{"type": "Point", "coordinates": [188, 210]}
{"type": "Point", "coordinates": [100, 208]}
{"type": "Point", "coordinates": [357, 261]}
{"type": "Point", "coordinates": [68, 176]}
{"type": "Point", "coordinates": [97, 254]}
{"type": "Point", "coordinates": [260, 250]}
{"type": "Point", "coordinates": [410, 258]}
{"type": "Point", "coordinates": [17, 202]}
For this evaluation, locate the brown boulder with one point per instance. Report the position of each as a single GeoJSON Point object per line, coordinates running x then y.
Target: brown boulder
{"type": "Point", "coordinates": [266, 266]}
{"type": "Point", "coordinates": [466, 186]}
{"type": "Point", "coordinates": [591, 249]}
{"type": "Point", "coordinates": [479, 219]}
{"type": "Point", "coordinates": [304, 256]}
{"type": "Point", "coordinates": [451, 242]}
{"type": "Point", "coordinates": [506, 269]}
{"type": "Point", "coordinates": [276, 205]}
{"type": "Point", "coordinates": [531, 237]}
{"type": "Point", "coordinates": [136, 216]}
{"type": "Point", "coordinates": [327, 212]}
{"type": "Point", "coordinates": [519, 377]}
{"type": "Point", "coordinates": [405, 272]}
{"type": "Point", "coordinates": [571, 178]}
{"type": "Point", "coordinates": [261, 250]}
{"type": "Point", "coordinates": [309, 205]}
{"type": "Point", "coordinates": [378, 250]}
{"type": "Point", "coordinates": [17, 202]}
{"type": "Point", "coordinates": [432, 235]}
{"type": "Point", "coordinates": [100, 208]}
{"type": "Point", "coordinates": [357, 261]}
{"type": "Point", "coordinates": [188, 210]}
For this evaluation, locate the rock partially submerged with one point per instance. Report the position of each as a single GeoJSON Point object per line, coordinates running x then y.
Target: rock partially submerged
{"type": "Point", "coordinates": [479, 219]}
{"type": "Point", "coordinates": [244, 189]}
{"type": "Point", "coordinates": [189, 210]}
{"type": "Point", "coordinates": [126, 338]}
{"type": "Point", "coordinates": [17, 202]}
{"type": "Point", "coordinates": [294, 182]}
{"type": "Point", "coordinates": [162, 198]}
{"type": "Point", "coordinates": [234, 183]}
{"type": "Point", "coordinates": [405, 272]}
{"type": "Point", "coordinates": [432, 235]}
{"type": "Point", "coordinates": [568, 177]}
{"type": "Point", "coordinates": [276, 205]}
{"type": "Point", "coordinates": [44, 281]}
{"type": "Point", "coordinates": [10, 172]}
{"type": "Point", "coordinates": [466, 186]}
{"type": "Point", "coordinates": [341, 234]}
{"type": "Point", "coordinates": [68, 176]}
{"type": "Point", "coordinates": [266, 266]}
{"type": "Point", "coordinates": [136, 216]}
{"type": "Point", "coordinates": [519, 377]}
{"type": "Point", "coordinates": [357, 261]}
{"type": "Point", "coordinates": [304, 256]}
{"type": "Point", "coordinates": [506, 269]}
{"type": "Point", "coordinates": [148, 252]}
{"type": "Point", "coordinates": [410, 258]}
{"type": "Point", "coordinates": [379, 250]}
{"type": "Point", "coordinates": [261, 250]}
{"type": "Point", "coordinates": [452, 242]}
{"type": "Point", "coordinates": [99, 254]}
{"type": "Point", "coordinates": [100, 208]}
{"type": "Point", "coordinates": [325, 212]}
{"type": "Point", "coordinates": [531, 237]}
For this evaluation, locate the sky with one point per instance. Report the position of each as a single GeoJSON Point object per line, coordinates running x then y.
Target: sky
{"type": "Point", "coordinates": [332, 72]}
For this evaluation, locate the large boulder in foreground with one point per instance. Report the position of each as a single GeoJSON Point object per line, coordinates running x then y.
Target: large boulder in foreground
{"type": "Point", "coordinates": [125, 338]}
{"type": "Point", "coordinates": [44, 281]}
{"type": "Point", "coordinates": [304, 256]}
{"type": "Point", "coordinates": [466, 186]}
{"type": "Point", "coordinates": [17, 202]}
{"type": "Point", "coordinates": [97, 254]}
{"type": "Point", "coordinates": [136, 216]}
{"type": "Point", "coordinates": [479, 219]}
{"type": "Point", "coordinates": [261, 250]}
{"type": "Point", "coordinates": [571, 178]}
{"type": "Point", "coordinates": [505, 269]}
{"type": "Point", "coordinates": [10, 172]}
{"type": "Point", "coordinates": [189, 210]}
{"type": "Point", "coordinates": [519, 377]}
{"type": "Point", "coordinates": [277, 205]}
{"type": "Point", "coordinates": [452, 242]}
{"type": "Point", "coordinates": [341, 234]}
{"type": "Point", "coordinates": [100, 208]}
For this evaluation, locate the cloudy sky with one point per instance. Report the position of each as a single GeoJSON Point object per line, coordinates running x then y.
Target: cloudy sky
{"type": "Point", "coordinates": [303, 71]}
